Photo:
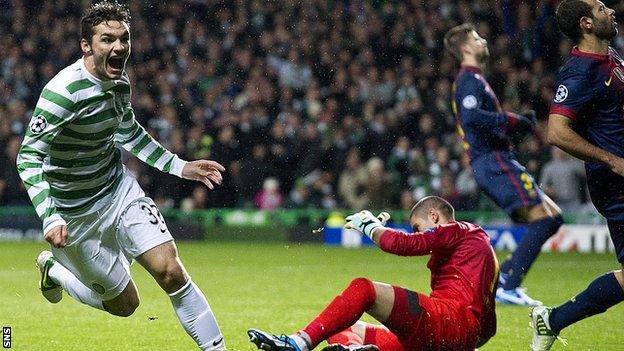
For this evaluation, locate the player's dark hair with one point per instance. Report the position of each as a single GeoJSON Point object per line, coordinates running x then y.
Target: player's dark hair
{"type": "Point", "coordinates": [456, 37]}
{"type": "Point", "coordinates": [444, 207]}
{"type": "Point", "coordinates": [107, 10]}
{"type": "Point", "coordinates": [569, 14]}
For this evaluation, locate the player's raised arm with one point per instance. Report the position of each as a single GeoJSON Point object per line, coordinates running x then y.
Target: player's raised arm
{"type": "Point", "coordinates": [427, 218]}
{"type": "Point", "coordinates": [404, 244]}
{"type": "Point", "coordinates": [135, 139]}
{"type": "Point", "coordinates": [55, 108]}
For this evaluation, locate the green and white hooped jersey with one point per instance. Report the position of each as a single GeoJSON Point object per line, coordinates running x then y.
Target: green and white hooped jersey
{"type": "Point", "coordinates": [70, 158]}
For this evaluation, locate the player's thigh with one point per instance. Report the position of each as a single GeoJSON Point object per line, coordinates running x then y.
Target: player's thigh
{"type": "Point", "coordinates": [141, 227]}
{"type": "Point", "coordinates": [143, 235]}
{"type": "Point", "coordinates": [547, 208]}
{"type": "Point", "coordinates": [408, 317]}
{"type": "Point", "coordinates": [384, 301]}
{"type": "Point", "coordinates": [506, 182]}
{"type": "Point", "coordinates": [616, 231]}
{"type": "Point", "coordinates": [100, 267]}
{"type": "Point", "coordinates": [421, 322]}
{"type": "Point", "coordinates": [607, 191]}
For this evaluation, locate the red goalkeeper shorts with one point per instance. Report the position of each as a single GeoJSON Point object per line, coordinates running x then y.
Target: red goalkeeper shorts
{"type": "Point", "coordinates": [419, 322]}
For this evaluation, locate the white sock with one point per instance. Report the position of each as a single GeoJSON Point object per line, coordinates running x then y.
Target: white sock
{"type": "Point", "coordinates": [73, 286]}
{"type": "Point", "coordinates": [196, 317]}
{"type": "Point", "coordinates": [300, 340]}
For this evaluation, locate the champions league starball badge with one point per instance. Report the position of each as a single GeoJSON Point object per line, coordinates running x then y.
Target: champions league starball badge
{"type": "Point", "coordinates": [561, 94]}
{"type": "Point", "coordinates": [38, 125]}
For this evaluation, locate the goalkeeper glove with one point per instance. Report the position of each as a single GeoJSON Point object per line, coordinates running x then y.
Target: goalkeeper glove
{"type": "Point", "coordinates": [365, 222]}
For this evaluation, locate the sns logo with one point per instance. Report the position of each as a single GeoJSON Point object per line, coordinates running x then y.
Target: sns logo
{"type": "Point", "coordinates": [6, 337]}
{"type": "Point", "coordinates": [561, 94]}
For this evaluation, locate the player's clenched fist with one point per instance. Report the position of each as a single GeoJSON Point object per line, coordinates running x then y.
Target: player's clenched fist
{"type": "Point", "coordinates": [365, 222]}
{"type": "Point", "coordinates": [57, 236]}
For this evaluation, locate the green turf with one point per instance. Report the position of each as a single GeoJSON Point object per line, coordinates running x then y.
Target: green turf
{"type": "Point", "coordinates": [273, 287]}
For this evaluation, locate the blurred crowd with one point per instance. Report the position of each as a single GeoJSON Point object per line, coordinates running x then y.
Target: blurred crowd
{"type": "Point", "coordinates": [308, 104]}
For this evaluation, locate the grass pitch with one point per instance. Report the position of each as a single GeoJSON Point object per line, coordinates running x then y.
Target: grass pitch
{"type": "Point", "coordinates": [275, 287]}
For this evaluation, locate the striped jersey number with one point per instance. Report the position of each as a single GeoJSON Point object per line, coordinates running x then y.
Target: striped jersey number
{"type": "Point", "coordinates": [156, 217]}
{"type": "Point", "coordinates": [527, 182]}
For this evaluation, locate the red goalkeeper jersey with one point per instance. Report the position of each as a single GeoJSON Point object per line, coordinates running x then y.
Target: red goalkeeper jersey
{"type": "Point", "coordinates": [463, 265]}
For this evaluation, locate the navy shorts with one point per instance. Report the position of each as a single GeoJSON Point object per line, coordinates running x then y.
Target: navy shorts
{"type": "Point", "coordinates": [506, 182]}
{"type": "Point", "coordinates": [607, 193]}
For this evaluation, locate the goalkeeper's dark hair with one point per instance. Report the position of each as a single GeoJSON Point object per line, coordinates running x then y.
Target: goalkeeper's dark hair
{"type": "Point", "coordinates": [456, 37]}
{"type": "Point", "coordinates": [422, 207]}
{"type": "Point", "coordinates": [103, 11]}
{"type": "Point", "coordinates": [569, 14]}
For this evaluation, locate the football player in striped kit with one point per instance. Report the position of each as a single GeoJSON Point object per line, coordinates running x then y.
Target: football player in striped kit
{"type": "Point", "coordinates": [95, 215]}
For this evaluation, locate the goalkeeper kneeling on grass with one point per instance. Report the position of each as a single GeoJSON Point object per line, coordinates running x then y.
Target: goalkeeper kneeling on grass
{"type": "Point", "coordinates": [457, 315]}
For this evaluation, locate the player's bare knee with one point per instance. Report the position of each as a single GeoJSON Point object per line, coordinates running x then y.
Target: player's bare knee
{"type": "Point", "coordinates": [128, 309]}
{"type": "Point", "coordinates": [173, 276]}
{"type": "Point", "coordinates": [123, 307]}
{"type": "Point", "coordinates": [361, 282]}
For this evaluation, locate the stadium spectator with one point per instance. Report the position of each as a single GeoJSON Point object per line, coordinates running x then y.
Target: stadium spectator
{"type": "Point", "coordinates": [12, 191]}
{"type": "Point", "coordinates": [299, 197]}
{"type": "Point", "coordinates": [270, 197]}
{"type": "Point", "coordinates": [352, 180]}
{"type": "Point", "coordinates": [197, 200]}
{"type": "Point", "coordinates": [467, 188]}
{"type": "Point", "coordinates": [308, 80]}
{"type": "Point", "coordinates": [563, 178]}
{"type": "Point", "coordinates": [378, 184]}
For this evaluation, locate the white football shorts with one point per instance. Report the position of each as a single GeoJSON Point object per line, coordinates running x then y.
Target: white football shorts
{"type": "Point", "coordinates": [101, 245]}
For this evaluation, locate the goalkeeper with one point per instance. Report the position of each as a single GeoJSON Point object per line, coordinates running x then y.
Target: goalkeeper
{"type": "Point", "coordinates": [457, 315]}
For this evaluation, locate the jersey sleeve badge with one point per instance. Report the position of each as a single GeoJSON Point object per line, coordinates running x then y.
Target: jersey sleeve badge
{"type": "Point", "coordinates": [38, 124]}
{"type": "Point", "coordinates": [469, 102]}
{"type": "Point", "coordinates": [561, 94]}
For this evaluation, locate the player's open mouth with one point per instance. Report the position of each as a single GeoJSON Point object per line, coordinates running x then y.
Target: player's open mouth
{"type": "Point", "coordinates": [116, 63]}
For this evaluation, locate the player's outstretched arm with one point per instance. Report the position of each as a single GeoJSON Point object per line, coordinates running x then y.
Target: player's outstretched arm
{"type": "Point", "coordinates": [55, 108]}
{"type": "Point", "coordinates": [135, 139]}
{"type": "Point", "coordinates": [562, 135]}
{"type": "Point", "coordinates": [366, 223]}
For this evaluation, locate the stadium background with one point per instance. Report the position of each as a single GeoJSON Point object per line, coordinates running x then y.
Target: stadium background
{"type": "Point", "coordinates": [315, 108]}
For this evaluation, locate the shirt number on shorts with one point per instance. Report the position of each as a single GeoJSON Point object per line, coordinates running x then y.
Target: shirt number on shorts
{"type": "Point", "coordinates": [527, 182]}
{"type": "Point", "coordinates": [157, 218]}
